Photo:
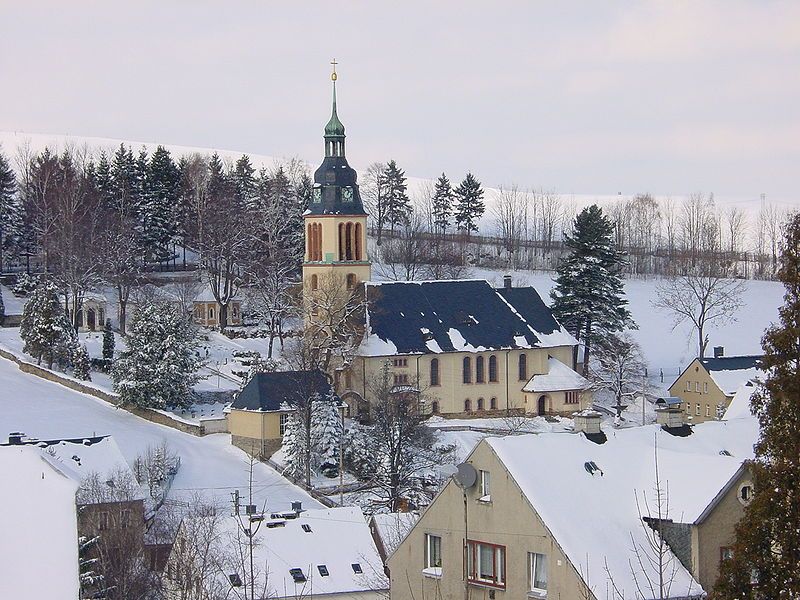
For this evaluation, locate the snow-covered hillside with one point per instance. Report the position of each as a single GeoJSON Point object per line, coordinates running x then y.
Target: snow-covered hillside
{"type": "Point", "coordinates": [418, 188]}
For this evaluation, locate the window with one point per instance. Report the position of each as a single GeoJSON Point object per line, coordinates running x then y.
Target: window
{"type": "Point", "coordinates": [400, 379]}
{"type": "Point", "coordinates": [493, 368]}
{"type": "Point", "coordinates": [235, 311]}
{"type": "Point", "coordinates": [433, 551]}
{"type": "Point", "coordinates": [537, 572]}
{"type": "Point", "coordinates": [745, 494]}
{"type": "Point", "coordinates": [479, 370]}
{"type": "Point", "coordinates": [708, 410]}
{"type": "Point", "coordinates": [435, 371]}
{"type": "Point", "coordinates": [357, 568]}
{"type": "Point", "coordinates": [493, 403]}
{"type": "Point", "coordinates": [571, 397]}
{"type": "Point", "coordinates": [323, 570]}
{"type": "Point", "coordinates": [485, 489]}
{"type": "Point", "coordinates": [125, 518]}
{"type": "Point", "coordinates": [705, 387]}
{"type": "Point", "coordinates": [435, 407]}
{"type": "Point", "coordinates": [697, 409]}
{"type": "Point", "coordinates": [358, 241]}
{"type": "Point", "coordinates": [351, 281]}
{"type": "Point", "coordinates": [688, 386]}
{"type": "Point", "coordinates": [467, 370]}
{"type": "Point", "coordinates": [486, 564]}
{"type": "Point", "coordinates": [210, 312]}
{"type": "Point", "coordinates": [104, 521]}
{"type": "Point", "coordinates": [523, 367]}
{"type": "Point", "coordinates": [284, 419]}
{"type": "Point", "coordinates": [400, 362]}
{"type": "Point", "coordinates": [467, 405]}
{"type": "Point", "coordinates": [725, 553]}
{"type": "Point", "coordinates": [697, 386]}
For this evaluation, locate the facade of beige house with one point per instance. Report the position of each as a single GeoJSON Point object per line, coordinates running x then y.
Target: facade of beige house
{"type": "Point", "coordinates": [469, 348]}
{"type": "Point", "coordinates": [575, 518]}
{"type": "Point", "coordinates": [708, 385]}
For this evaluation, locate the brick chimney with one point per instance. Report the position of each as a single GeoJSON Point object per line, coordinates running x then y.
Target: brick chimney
{"type": "Point", "coordinates": [719, 351]}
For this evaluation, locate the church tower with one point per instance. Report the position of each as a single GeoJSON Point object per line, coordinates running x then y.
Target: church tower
{"type": "Point", "coordinates": [335, 222]}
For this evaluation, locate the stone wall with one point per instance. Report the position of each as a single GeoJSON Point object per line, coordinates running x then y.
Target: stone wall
{"type": "Point", "coordinates": [261, 449]}
{"type": "Point", "coordinates": [110, 397]}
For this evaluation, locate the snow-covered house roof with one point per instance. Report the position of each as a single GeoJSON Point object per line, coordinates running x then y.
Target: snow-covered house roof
{"type": "Point", "coordinates": [80, 458]}
{"type": "Point", "coordinates": [38, 518]}
{"type": "Point", "coordinates": [333, 549]}
{"type": "Point", "coordinates": [422, 317]}
{"type": "Point", "coordinates": [390, 529]}
{"type": "Point", "coordinates": [205, 295]}
{"type": "Point", "coordinates": [593, 515]}
{"type": "Point", "coordinates": [279, 390]}
{"type": "Point", "coordinates": [730, 372]}
{"type": "Point", "coordinates": [559, 377]}
{"type": "Point", "coordinates": [739, 407]}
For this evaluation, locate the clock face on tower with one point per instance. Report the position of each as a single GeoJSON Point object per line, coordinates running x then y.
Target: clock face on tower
{"type": "Point", "coordinates": [317, 194]}
{"type": "Point", "coordinates": [347, 194]}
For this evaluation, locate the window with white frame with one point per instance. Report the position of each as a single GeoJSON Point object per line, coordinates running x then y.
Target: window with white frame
{"type": "Point", "coordinates": [433, 551]}
{"type": "Point", "coordinates": [537, 572]}
{"type": "Point", "coordinates": [486, 488]}
{"type": "Point", "coordinates": [486, 564]}
{"type": "Point", "coordinates": [708, 410]}
{"type": "Point", "coordinates": [688, 386]}
{"type": "Point", "coordinates": [284, 419]}
{"type": "Point", "coordinates": [705, 387]}
{"type": "Point", "coordinates": [697, 409]}
{"type": "Point", "coordinates": [696, 386]}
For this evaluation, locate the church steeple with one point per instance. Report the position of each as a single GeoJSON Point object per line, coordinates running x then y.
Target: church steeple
{"type": "Point", "coordinates": [334, 130]}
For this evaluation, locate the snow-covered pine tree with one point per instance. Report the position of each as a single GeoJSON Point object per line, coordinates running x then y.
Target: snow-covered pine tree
{"type": "Point", "coordinates": [45, 328]}
{"type": "Point", "coordinates": [123, 182]}
{"type": "Point", "coordinates": [469, 205]}
{"type": "Point", "coordinates": [10, 211]}
{"type": "Point", "coordinates": [108, 341]}
{"type": "Point", "coordinates": [326, 434]}
{"type": "Point", "coordinates": [104, 181]}
{"type": "Point", "coordinates": [157, 209]}
{"type": "Point", "coordinates": [160, 365]}
{"type": "Point", "coordinates": [589, 295]}
{"type": "Point", "coordinates": [398, 205]}
{"type": "Point", "coordinates": [442, 204]}
{"type": "Point", "coordinates": [244, 180]}
{"type": "Point", "coordinates": [294, 446]}
{"type": "Point", "coordinates": [359, 454]}
{"type": "Point", "coordinates": [79, 357]}
{"type": "Point", "coordinates": [766, 552]}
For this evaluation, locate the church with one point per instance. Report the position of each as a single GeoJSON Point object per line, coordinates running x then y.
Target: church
{"type": "Point", "coordinates": [471, 349]}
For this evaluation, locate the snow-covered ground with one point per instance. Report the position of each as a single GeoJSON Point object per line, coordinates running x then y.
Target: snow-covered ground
{"type": "Point", "coordinates": [210, 465]}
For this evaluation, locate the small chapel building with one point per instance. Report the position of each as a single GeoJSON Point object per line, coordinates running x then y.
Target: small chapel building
{"type": "Point", "coordinates": [469, 348]}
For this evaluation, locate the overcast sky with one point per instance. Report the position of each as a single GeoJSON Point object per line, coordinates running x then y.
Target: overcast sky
{"type": "Point", "coordinates": [581, 97]}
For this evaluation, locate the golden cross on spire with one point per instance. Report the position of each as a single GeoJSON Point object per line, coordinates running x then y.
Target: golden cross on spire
{"type": "Point", "coordinates": [333, 75]}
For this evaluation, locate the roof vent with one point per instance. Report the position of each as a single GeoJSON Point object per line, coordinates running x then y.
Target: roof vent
{"type": "Point", "coordinates": [297, 507]}
{"type": "Point", "coordinates": [507, 282]}
{"type": "Point", "coordinates": [297, 575]}
{"type": "Point", "coordinates": [592, 468]}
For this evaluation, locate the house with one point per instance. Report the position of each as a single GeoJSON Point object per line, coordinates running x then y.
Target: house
{"type": "Point", "coordinates": [583, 507]}
{"type": "Point", "coordinates": [39, 521]}
{"type": "Point", "coordinates": [707, 386]}
{"type": "Point", "coordinates": [258, 414]}
{"type": "Point", "coordinates": [326, 553]}
{"type": "Point", "coordinates": [206, 310]}
{"type": "Point", "coordinates": [472, 349]}
{"type": "Point", "coordinates": [93, 312]}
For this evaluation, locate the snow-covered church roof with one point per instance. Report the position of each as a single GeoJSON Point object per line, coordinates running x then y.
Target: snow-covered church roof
{"type": "Point", "coordinates": [422, 317]}
{"type": "Point", "coordinates": [559, 377]}
{"type": "Point", "coordinates": [594, 517]}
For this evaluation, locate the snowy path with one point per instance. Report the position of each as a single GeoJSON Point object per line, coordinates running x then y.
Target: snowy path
{"type": "Point", "coordinates": [210, 466]}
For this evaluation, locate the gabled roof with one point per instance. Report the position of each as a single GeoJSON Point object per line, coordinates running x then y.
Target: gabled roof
{"type": "Point", "coordinates": [551, 471]}
{"type": "Point", "coordinates": [730, 372]}
{"type": "Point", "coordinates": [334, 538]}
{"type": "Point", "coordinates": [391, 529]}
{"type": "Point", "coordinates": [280, 390]}
{"type": "Point", "coordinates": [559, 377]}
{"type": "Point", "coordinates": [739, 408]}
{"type": "Point", "coordinates": [426, 317]}
{"type": "Point", "coordinates": [39, 522]}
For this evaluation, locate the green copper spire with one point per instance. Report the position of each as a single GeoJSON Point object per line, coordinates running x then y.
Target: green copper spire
{"type": "Point", "coordinates": [334, 128]}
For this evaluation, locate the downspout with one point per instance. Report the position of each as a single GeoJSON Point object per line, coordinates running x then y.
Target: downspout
{"type": "Point", "coordinates": [508, 399]}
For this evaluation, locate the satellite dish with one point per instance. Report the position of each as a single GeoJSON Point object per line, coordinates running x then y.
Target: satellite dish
{"type": "Point", "coordinates": [465, 476]}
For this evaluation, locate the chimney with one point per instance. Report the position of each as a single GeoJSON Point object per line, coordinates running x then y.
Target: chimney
{"type": "Point", "coordinates": [15, 438]}
{"type": "Point", "coordinates": [719, 351]}
{"type": "Point", "coordinates": [507, 282]}
{"type": "Point", "coordinates": [587, 421]}
{"type": "Point", "coordinates": [669, 417]}
{"type": "Point", "coordinates": [297, 507]}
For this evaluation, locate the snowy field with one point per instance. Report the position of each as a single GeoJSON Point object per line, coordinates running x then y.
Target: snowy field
{"type": "Point", "coordinates": [210, 466]}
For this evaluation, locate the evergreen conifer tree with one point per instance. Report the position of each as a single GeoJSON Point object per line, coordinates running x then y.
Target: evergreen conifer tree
{"type": "Point", "coordinates": [589, 295]}
{"type": "Point", "coordinates": [79, 357]}
{"type": "Point", "coordinates": [469, 205]}
{"type": "Point", "coordinates": [160, 365]}
{"type": "Point", "coordinates": [10, 211]}
{"type": "Point", "coordinates": [104, 181]}
{"type": "Point", "coordinates": [326, 433]}
{"type": "Point", "coordinates": [294, 446]}
{"type": "Point", "coordinates": [766, 553]}
{"type": "Point", "coordinates": [108, 342]}
{"type": "Point", "coordinates": [442, 202]}
{"type": "Point", "coordinates": [123, 182]}
{"type": "Point", "coordinates": [45, 328]}
{"type": "Point", "coordinates": [398, 205]}
{"type": "Point", "coordinates": [244, 180]}
{"type": "Point", "coordinates": [2, 307]}
{"type": "Point", "coordinates": [158, 204]}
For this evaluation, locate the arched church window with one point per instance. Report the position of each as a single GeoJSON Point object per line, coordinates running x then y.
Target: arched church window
{"type": "Point", "coordinates": [349, 241]}
{"type": "Point", "coordinates": [358, 242]}
{"type": "Point", "coordinates": [341, 242]}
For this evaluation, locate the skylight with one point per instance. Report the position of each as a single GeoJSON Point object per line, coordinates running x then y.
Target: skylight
{"type": "Point", "coordinates": [592, 468]}
{"type": "Point", "coordinates": [297, 575]}
{"type": "Point", "coordinates": [306, 527]}
{"type": "Point", "coordinates": [323, 570]}
{"type": "Point", "coordinates": [357, 568]}
{"type": "Point", "coordinates": [235, 580]}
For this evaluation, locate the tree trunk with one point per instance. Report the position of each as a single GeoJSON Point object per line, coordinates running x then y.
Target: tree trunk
{"type": "Point", "coordinates": [586, 348]}
{"type": "Point", "coordinates": [123, 315]}
{"type": "Point", "coordinates": [223, 316]}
